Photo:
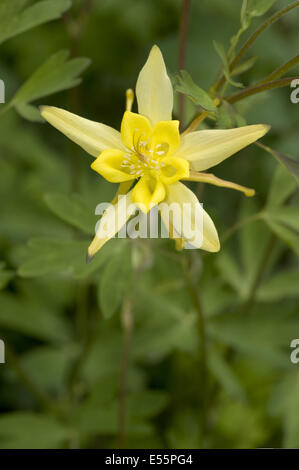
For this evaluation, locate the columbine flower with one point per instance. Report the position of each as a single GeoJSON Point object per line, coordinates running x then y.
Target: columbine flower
{"type": "Point", "coordinates": [150, 152]}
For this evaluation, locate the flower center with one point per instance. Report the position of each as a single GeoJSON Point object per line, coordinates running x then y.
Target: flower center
{"type": "Point", "coordinates": [144, 157]}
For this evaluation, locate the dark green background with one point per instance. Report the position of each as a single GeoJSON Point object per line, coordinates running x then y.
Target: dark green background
{"type": "Point", "coordinates": [60, 384]}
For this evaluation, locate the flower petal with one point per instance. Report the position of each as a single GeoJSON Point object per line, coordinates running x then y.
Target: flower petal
{"type": "Point", "coordinates": [134, 128]}
{"type": "Point", "coordinates": [207, 148]}
{"type": "Point", "coordinates": [110, 165]}
{"type": "Point", "coordinates": [190, 221]}
{"type": "Point", "coordinates": [113, 219]}
{"type": "Point", "coordinates": [154, 90]}
{"type": "Point", "coordinates": [148, 192]}
{"type": "Point", "coordinates": [165, 135]}
{"type": "Point", "coordinates": [173, 169]}
{"type": "Point", "coordinates": [92, 136]}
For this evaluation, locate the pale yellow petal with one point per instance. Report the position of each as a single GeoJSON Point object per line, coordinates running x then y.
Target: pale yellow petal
{"type": "Point", "coordinates": [205, 149]}
{"type": "Point", "coordinates": [93, 137]}
{"type": "Point", "coordinates": [190, 221]}
{"type": "Point", "coordinates": [113, 219]}
{"type": "Point", "coordinates": [154, 90]}
{"type": "Point", "coordinates": [110, 165]}
{"type": "Point", "coordinates": [147, 193]}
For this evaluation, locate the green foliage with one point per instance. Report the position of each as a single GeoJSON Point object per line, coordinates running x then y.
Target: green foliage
{"type": "Point", "coordinates": [72, 209]}
{"type": "Point", "coordinates": [116, 280]}
{"type": "Point", "coordinates": [283, 403]}
{"type": "Point", "coordinates": [219, 48]}
{"type": "Point", "coordinates": [186, 85]}
{"type": "Point", "coordinates": [16, 18]}
{"type": "Point", "coordinates": [66, 257]}
{"type": "Point", "coordinates": [5, 275]}
{"type": "Point", "coordinates": [56, 74]}
{"type": "Point", "coordinates": [258, 7]}
{"type": "Point", "coordinates": [45, 432]}
{"type": "Point", "coordinates": [62, 319]}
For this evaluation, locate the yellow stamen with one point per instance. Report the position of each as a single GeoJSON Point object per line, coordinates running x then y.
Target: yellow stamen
{"type": "Point", "coordinates": [212, 179]}
{"type": "Point", "coordinates": [129, 99]}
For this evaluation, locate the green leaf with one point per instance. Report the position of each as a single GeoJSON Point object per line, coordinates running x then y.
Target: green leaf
{"type": "Point", "coordinates": [56, 74]}
{"type": "Point", "coordinates": [288, 236]}
{"type": "Point", "coordinates": [49, 366]}
{"type": "Point", "coordinates": [263, 334]}
{"type": "Point", "coordinates": [278, 287]}
{"type": "Point", "coordinates": [254, 239]}
{"type": "Point", "coordinates": [23, 316]}
{"type": "Point", "coordinates": [160, 334]}
{"type": "Point", "coordinates": [65, 257]}
{"type": "Point", "coordinates": [282, 187]}
{"type": "Point", "coordinates": [115, 280]}
{"type": "Point", "coordinates": [15, 19]}
{"type": "Point", "coordinates": [289, 163]}
{"type": "Point", "coordinates": [45, 431]}
{"type": "Point", "coordinates": [288, 215]}
{"type": "Point", "coordinates": [283, 402]}
{"type": "Point", "coordinates": [184, 431]}
{"type": "Point", "coordinates": [222, 54]}
{"type": "Point", "coordinates": [29, 112]}
{"type": "Point", "coordinates": [224, 116]}
{"type": "Point", "coordinates": [232, 273]}
{"type": "Point", "coordinates": [225, 375]}
{"type": "Point", "coordinates": [244, 66]}
{"type": "Point", "coordinates": [259, 7]}
{"type": "Point", "coordinates": [72, 209]}
{"type": "Point", "coordinates": [5, 275]}
{"type": "Point", "coordinates": [185, 85]}
{"type": "Point", "coordinates": [242, 425]}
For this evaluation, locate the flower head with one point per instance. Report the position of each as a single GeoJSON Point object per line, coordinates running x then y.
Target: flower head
{"type": "Point", "coordinates": [149, 157]}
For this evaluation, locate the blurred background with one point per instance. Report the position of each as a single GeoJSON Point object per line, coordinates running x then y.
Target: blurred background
{"type": "Point", "coordinates": [145, 347]}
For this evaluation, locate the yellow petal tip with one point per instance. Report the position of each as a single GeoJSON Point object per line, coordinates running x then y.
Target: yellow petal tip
{"type": "Point", "coordinates": [89, 257]}
{"type": "Point", "coordinates": [249, 193]}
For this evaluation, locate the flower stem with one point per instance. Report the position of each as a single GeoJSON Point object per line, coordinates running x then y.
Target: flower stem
{"type": "Point", "coordinates": [202, 356]}
{"type": "Point", "coordinates": [252, 90]}
{"type": "Point", "coordinates": [196, 121]}
{"type": "Point", "coordinates": [127, 325]}
{"type": "Point", "coordinates": [253, 37]}
{"type": "Point", "coordinates": [184, 20]}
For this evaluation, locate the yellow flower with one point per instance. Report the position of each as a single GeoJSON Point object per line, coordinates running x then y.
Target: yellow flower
{"type": "Point", "coordinates": [150, 152]}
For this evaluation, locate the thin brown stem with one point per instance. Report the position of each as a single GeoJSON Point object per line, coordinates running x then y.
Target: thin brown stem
{"type": "Point", "coordinates": [201, 328]}
{"type": "Point", "coordinates": [127, 325]}
{"type": "Point", "coordinates": [240, 95]}
{"type": "Point", "coordinates": [184, 20]}
{"type": "Point", "coordinates": [195, 123]}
